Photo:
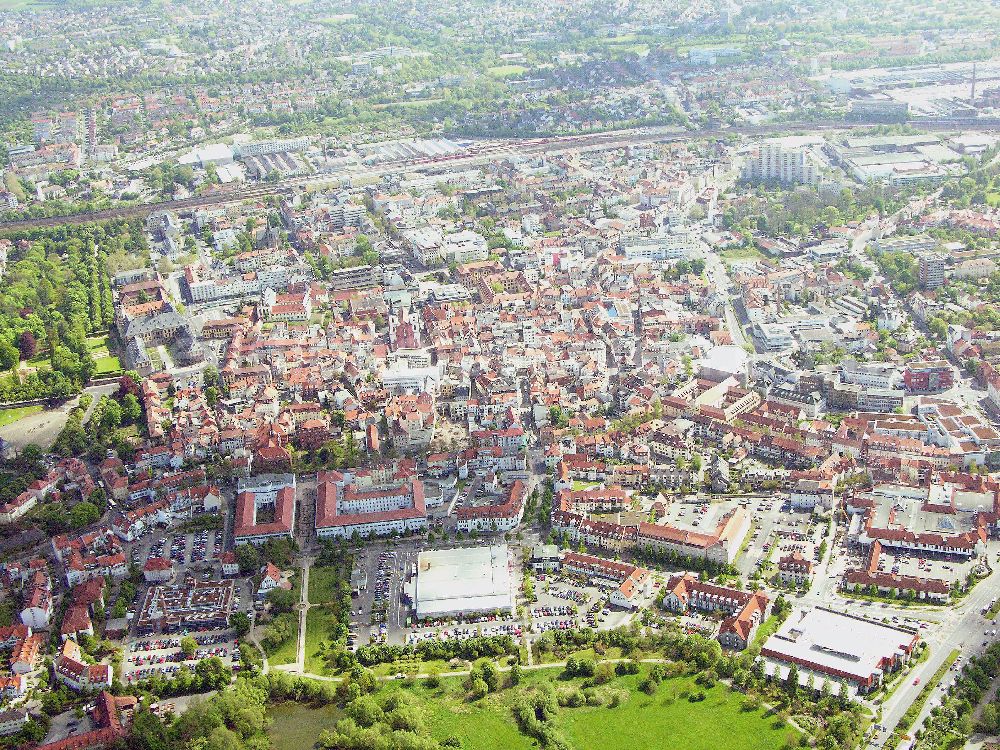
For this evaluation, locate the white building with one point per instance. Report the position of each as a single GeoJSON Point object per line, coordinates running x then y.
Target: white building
{"type": "Point", "coordinates": [788, 160]}
{"type": "Point", "coordinates": [464, 581]}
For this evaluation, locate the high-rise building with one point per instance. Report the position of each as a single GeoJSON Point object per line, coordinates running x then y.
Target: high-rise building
{"type": "Point", "coordinates": [786, 160]}
{"type": "Point", "coordinates": [931, 270]}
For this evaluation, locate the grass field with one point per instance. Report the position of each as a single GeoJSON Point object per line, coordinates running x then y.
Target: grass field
{"type": "Point", "coordinates": [663, 720]}
{"type": "Point", "coordinates": [99, 347]}
{"type": "Point", "coordinates": [742, 253]}
{"type": "Point", "coordinates": [99, 343]}
{"type": "Point", "coordinates": [408, 104]}
{"type": "Point", "coordinates": [288, 651]}
{"type": "Point", "coordinates": [297, 727]}
{"type": "Point", "coordinates": [19, 4]}
{"type": "Point", "coordinates": [319, 621]}
{"type": "Point", "coordinates": [9, 416]}
{"type": "Point", "coordinates": [477, 728]}
{"type": "Point", "coordinates": [667, 719]}
{"type": "Point", "coordinates": [320, 618]}
{"type": "Point", "coordinates": [322, 582]}
{"type": "Point", "coordinates": [767, 628]}
{"type": "Point", "coordinates": [108, 365]}
{"type": "Point", "coordinates": [506, 71]}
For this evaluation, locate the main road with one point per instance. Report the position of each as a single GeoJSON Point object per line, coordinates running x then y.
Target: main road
{"type": "Point", "coordinates": [478, 153]}
{"type": "Point", "coordinates": [962, 629]}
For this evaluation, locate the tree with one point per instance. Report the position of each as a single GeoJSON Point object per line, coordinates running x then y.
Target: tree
{"type": "Point", "coordinates": [478, 689]}
{"type": "Point", "coordinates": [281, 600]}
{"type": "Point", "coordinates": [516, 673]}
{"type": "Point", "coordinates": [83, 514]}
{"type": "Point", "coordinates": [792, 680]}
{"type": "Point", "coordinates": [248, 558]}
{"type": "Point", "coordinates": [128, 383]}
{"type": "Point", "coordinates": [989, 719]}
{"type": "Point", "coordinates": [131, 409]}
{"type": "Point", "coordinates": [240, 622]}
{"type": "Point", "coordinates": [9, 356]}
{"type": "Point", "coordinates": [365, 711]}
{"type": "Point", "coordinates": [213, 673]}
{"type": "Point", "coordinates": [189, 646]}
{"type": "Point", "coordinates": [149, 732]}
{"type": "Point", "coordinates": [27, 344]}
{"type": "Point", "coordinates": [112, 416]}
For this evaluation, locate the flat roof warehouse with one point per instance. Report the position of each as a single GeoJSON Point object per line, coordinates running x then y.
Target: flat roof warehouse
{"type": "Point", "coordinates": [464, 581]}
{"type": "Point", "coordinates": [841, 646]}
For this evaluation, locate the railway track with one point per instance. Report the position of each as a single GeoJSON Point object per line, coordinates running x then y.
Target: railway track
{"type": "Point", "coordinates": [476, 154]}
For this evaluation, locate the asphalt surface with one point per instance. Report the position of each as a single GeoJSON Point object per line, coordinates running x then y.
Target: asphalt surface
{"type": "Point", "coordinates": [44, 427]}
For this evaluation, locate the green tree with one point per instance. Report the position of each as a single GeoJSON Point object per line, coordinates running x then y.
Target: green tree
{"type": "Point", "coordinates": [189, 646]}
{"type": "Point", "coordinates": [281, 600]}
{"type": "Point", "coordinates": [83, 514]}
{"type": "Point", "coordinates": [9, 355]}
{"type": "Point", "coordinates": [240, 623]}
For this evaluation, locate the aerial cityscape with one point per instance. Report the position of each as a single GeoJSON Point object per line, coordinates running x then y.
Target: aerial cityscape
{"type": "Point", "coordinates": [464, 375]}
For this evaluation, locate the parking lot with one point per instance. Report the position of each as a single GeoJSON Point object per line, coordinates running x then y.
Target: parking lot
{"type": "Point", "coordinates": [778, 530]}
{"type": "Point", "coordinates": [143, 657]}
{"type": "Point", "coordinates": [568, 601]}
{"type": "Point", "coordinates": [380, 603]}
{"type": "Point", "coordinates": [183, 550]}
{"type": "Point", "coordinates": [950, 568]}
{"type": "Point", "coordinates": [463, 628]}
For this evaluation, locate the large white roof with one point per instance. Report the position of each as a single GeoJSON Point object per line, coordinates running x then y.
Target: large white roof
{"type": "Point", "coordinates": [474, 579]}
{"type": "Point", "coordinates": [835, 642]}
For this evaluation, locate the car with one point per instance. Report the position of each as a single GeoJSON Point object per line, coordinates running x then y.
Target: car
{"type": "Point", "coordinates": [916, 681]}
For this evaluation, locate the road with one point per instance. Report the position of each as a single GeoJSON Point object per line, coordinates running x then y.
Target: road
{"type": "Point", "coordinates": [961, 627]}
{"type": "Point", "coordinates": [44, 427]}
{"type": "Point", "coordinates": [719, 276]}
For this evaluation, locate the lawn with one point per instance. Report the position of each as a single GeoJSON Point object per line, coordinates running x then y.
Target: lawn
{"type": "Point", "coordinates": [742, 253]}
{"type": "Point", "coordinates": [295, 726]}
{"type": "Point", "coordinates": [9, 416]}
{"type": "Point", "coordinates": [665, 719]}
{"type": "Point", "coordinates": [767, 628]}
{"type": "Point", "coordinates": [322, 616]}
{"type": "Point", "coordinates": [668, 719]}
{"type": "Point", "coordinates": [322, 581]}
{"type": "Point", "coordinates": [411, 666]}
{"type": "Point", "coordinates": [108, 365]}
{"type": "Point", "coordinates": [99, 347]}
{"type": "Point", "coordinates": [288, 651]}
{"type": "Point", "coordinates": [99, 343]}
{"type": "Point", "coordinates": [408, 103]}
{"type": "Point", "coordinates": [506, 71]}
{"type": "Point", "coordinates": [477, 728]}
{"type": "Point", "coordinates": [19, 4]}
{"type": "Point", "coordinates": [319, 621]}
